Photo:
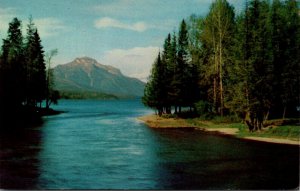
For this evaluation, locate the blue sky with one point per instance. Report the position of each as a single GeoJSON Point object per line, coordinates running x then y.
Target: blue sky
{"type": "Point", "coordinates": [126, 34]}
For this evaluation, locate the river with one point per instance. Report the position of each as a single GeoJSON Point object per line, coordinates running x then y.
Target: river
{"type": "Point", "coordinates": [102, 145]}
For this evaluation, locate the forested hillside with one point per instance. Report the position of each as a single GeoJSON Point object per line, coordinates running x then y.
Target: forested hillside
{"type": "Point", "coordinates": [85, 74]}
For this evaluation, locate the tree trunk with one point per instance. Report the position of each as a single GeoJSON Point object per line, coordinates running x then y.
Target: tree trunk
{"type": "Point", "coordinates": [266, 116]}
{"type": "Point", "coordinates": [221, 79]}
{"type": "Point", "coordinates": [215, 94]}
{"type": "Point", "coordinates": [284, 112]}
{"type": "Point", "coordinates": [220, 62]}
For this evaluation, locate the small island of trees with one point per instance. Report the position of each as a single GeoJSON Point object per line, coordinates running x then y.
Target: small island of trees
{"type": "Point", "coordinates": [24, 80]}
{"type": "Point", "coordinates": [244, 65]}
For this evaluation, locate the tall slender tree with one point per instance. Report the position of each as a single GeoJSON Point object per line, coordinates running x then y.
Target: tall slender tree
{"type": "Point", "coordinates": [36, 68]}
{"type": "Point", "coordinates": [13, 70]}
{"type": "Point", "coordinates": [182, 66]}
{"type": "Point", "coordinates": [217, 36]}
{"type": "Point", "coordinates": [168, 74]}
{"type": "Point", "coordinates": [154, 93]}
{"type": "Point", "coordinates": [286, 51]}
{"type": "Point", "coordinates": [51, 94]}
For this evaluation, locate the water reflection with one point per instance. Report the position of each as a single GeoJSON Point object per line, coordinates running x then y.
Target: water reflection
{"type": "Point", "coordinates": [190, 159]}
{"type": "Point", "coordinates": [19, 165]}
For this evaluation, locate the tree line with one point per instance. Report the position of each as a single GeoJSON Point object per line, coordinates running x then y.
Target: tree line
{"type": "Point", "coordinates": [24, 79]}
{"type": "Point", "coordinates": [244, 64]}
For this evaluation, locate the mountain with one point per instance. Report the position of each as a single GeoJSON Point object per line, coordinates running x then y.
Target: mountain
{"type": "Point", "coordinates": [87, 75]}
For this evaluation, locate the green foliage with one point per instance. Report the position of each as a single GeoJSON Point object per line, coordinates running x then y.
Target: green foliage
{"type": "Point", "coordinates": [242, 66]}
{"type": "Point", "coordinates": [174, 78]}
{"type": "Point", "coordinates": [286, 131]}
{"type": "Point", "coordinates": [50, 79]}
{"type": "Point", "coordinates": [202, 107]}
{"type": "Point", "coordinates": [35, 67]}
{"type": "Point", "coordinates": [13, 72]}
{"type": "Point", "coordinates": [155, 90]}
{"type": "Point", "coordinates": [85, 95]}
{"type": "Point", "coordinates": [226, 119]}
{"type": "Point", "coordinates": [22, 69]}
{"type": "Point", "coordinates": [216, 38]}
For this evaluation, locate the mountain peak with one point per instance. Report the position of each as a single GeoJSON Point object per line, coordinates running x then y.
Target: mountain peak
{"type": "Point", "coordinates": [85, 59]}
{"type": "Point", "coordinates": [86, 74]}
{"type": "Point", "coordinates": [87, 62]}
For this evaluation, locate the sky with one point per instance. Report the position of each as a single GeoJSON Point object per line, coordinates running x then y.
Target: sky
{"type": "Point", "coordinates": [126, 34]}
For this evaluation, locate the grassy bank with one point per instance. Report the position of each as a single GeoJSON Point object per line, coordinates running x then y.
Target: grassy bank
{"type": "Point", "coordinates": [275, 129]}
{"type": "Point", "coordinates": [275, 132]}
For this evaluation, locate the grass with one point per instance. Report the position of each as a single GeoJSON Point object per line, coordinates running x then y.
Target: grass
{"type": "Point", "coordinates": [291, 132]}
{"type": "Point", "coordinates": [276, 128]}
{"type": "Point", "coordinates": [280, 130]}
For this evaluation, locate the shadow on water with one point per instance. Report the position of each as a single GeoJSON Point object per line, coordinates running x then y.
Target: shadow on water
{"type": "Point", "coordinates": [19, 149]}
{"type": "Point", "coordinates": [198, 160]}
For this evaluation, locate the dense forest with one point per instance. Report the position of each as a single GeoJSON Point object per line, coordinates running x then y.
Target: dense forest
{"type": "Point", "coordinates": [227, 64]}
{"type": "Point", "coordinates": [86, 95]}
{"type": "Point", "coordinates": [25, 81]}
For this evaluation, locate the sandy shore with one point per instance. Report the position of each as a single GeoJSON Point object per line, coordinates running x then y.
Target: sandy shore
{"type": "Point", "coordinates": [274, 140]}
{"type": "Point", "coordinates": [155, 121]}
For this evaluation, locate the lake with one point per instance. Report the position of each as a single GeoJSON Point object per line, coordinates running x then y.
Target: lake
{"type": "Point", "coordinates": [101, 145]}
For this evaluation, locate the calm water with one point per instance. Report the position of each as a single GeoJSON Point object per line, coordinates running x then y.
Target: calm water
{"type": "Point", "coordinates": [101, 145]}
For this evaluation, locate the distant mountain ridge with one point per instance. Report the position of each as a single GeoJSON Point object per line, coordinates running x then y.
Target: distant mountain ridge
{"type": "Point", "coordinates": [87, 75]}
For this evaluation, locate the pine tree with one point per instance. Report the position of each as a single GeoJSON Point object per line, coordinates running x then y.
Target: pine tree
{"type": "Point", "coordinates": [40, 66]}
{"type": "Point", "coordinates": [174, 90]}
{"type": "Point", "coordinates": [288, 68]}
{"type": "Point", "coordinates": [36, 74]}
{"type": "Point", "coordinates": [181, 78]}
{"type": "Point", "coordinates": [237, 98]}
{"type": "Point", "coordinates": [13, 70]}
{"type": "Point", "coordinates": [251, 75]}
{"type": "Point", "coordinates": [154, 93]}
{"type": "Point", "coordinates": [168, 73]}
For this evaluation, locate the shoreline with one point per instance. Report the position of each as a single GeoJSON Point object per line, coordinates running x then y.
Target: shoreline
{"type": "Point", "coordinates": [154, 121]}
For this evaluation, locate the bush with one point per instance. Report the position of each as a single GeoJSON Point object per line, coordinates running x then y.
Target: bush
{"type": "Point", "coordinates": [226, 119]}
{"type": "Point", "coordinates": [202, 107]}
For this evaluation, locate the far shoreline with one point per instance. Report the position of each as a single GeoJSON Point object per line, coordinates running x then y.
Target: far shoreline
{"type": "Point", "coordinates": [154, 121]}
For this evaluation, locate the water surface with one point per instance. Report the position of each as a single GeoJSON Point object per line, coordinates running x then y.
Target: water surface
{"type": "Point", "coordinates": [101, 145]}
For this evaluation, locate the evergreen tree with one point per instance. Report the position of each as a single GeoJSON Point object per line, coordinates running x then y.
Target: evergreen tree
{"type": "Point", "coordinates": [174, 90]}
{"type": "Point", "coordinates": [237, 98]}
{"type": "Point", "coordinates": [251, 75]}
{"type": "Point", "coordinates": [36, 74]}
{"type": "Point", "coordinates": [181, 78]}
{"type": "Point", "coordinates": [261, 60]}
{"type": "Point", "coordinates": [12, 67]}
{"type": "Point", "coordinates": [168, 73]}
{"type": "Point", "coordinates": [279, 45]}
{"type": "Point", "coordinates": [154, 93]}
{"type": "Point", "coordinates": [286, 46]}
{"type": "Point", "coordinates": [40, 66]}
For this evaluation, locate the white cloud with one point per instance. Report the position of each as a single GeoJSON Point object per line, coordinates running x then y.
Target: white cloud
{"type": "Point", "coordinates": [6, 15]}
{"type": "Point", "coordinates": [135, 62]}
{"type": "Point", "coordinates": [107, 22]}
{"type": "Point", "coordinates": [48, 27]}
